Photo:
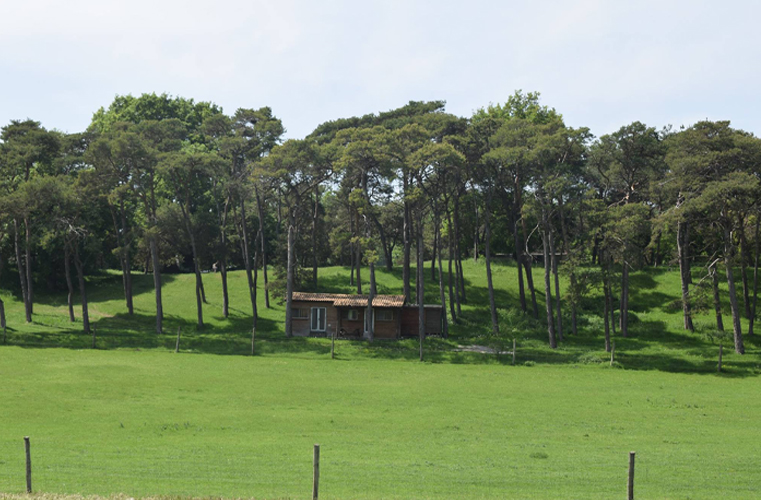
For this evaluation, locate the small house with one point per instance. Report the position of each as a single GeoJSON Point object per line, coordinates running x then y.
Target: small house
{"type": "Point", "coordinates": [345, 315]}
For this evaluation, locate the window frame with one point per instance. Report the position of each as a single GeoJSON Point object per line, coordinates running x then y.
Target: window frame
{"type": "Point", "coordinates": [380, 312]}
{"type": "Point", "coordinates": [348, 315]}
{"type": "Point", "coordinates": [322, 313]}
{"type": "Point", "coordinates": [299, 313]}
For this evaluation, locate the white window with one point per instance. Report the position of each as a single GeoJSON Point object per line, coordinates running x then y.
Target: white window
{"type": "Point", "coordinates": [351, 315]}
{"type": "Point", "coordinates": [318, 319]}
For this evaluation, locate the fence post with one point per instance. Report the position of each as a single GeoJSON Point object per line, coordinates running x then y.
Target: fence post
{"type": "Point", "coordinates": [513, 352]}
{"type": "Point", "coordinates": [721, 351]}
{"type": "Point", "coordinates": [28, 464]}
{"type": "Point", "coordinates": [630, 495]}
{"type": "Point", "coordinates": [316, 475]}
{"type": "Point", "coordinates": [333, 345]}
{"type": "Point", "coordinates": [177, 345]}
{"type": "Point", "coordinates": [612, 352]}
{"type": "Point", "coordinates": [253, 339]}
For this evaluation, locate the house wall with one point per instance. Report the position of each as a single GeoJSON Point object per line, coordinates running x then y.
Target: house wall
{"type": "Point", "coordinates": [404, 321]}
{"type": "Point", "coordinates": [387, 329]}
{"type": "Point", "coordinates": [409, 322]}
{"type": "Point", "coordinates": [302, 327]}
{"type": "Point", "coordinates": [383, 329]}
{"type": "Point", "coordinates": [352, 327]}
{"type": "Point", "coordinates": [433, 321]}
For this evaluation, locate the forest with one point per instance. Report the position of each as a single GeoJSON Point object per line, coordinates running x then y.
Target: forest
{"type": "Point", "coordinates": [162, 184]}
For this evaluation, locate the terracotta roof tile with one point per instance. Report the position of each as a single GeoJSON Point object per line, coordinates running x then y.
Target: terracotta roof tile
{"type": "Point", "coordinates": [347, 300]}
{"type": "Point", "coordinates": [378, 301]}
{"type": "Point", "coordinates": [318, 297]}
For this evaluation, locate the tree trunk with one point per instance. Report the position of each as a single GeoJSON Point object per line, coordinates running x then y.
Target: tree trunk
{"type": "Point", "coordinates": [657, 251]}
{"type": "Point", "coordinates": [554, 260]}
{"type": "Point", "coordinates": [358, 257]}
{"type": "Point", "coordinates": [199, 283]}
{"type": "Point", "coordinates": [351, 245]}
{"type": "Point", "coordinates": [609, 264]}
{"type": "Point", "coordinates": [475, 238]}
{"type": "Point", "coordinates": [260, 208]}
{"type": "Point", "coordinates": [156, 282]}
{"type": "Point", "coordinates": [744, 264]}
{"type": "Point", "coordinates": [487, 254]}
{"type": "Point", "coordinates": [529, 271]}
{"type": "Point", "coordinates": [289, 286]}
{"type": "Point", "coordinates": [716, 299]}
{"type": "Point", "coordinates": [28, 251]}
{"type": "Point", "coordinates": [459, 284]}
{"type": "Point", "coordinates": [607, 304]}
{"type": "Point", "coordinates": [547, 286]}
{"type": "Point", "coordinates": [450, 251]}
{"type": "Point", "coordinates": [260, 234]}
{"type": "Point", "coordinates": [3, 325]}
{"type": "Point", "coordinates": [124, 260]}
{"type": "Point", "coordinates": [567, 249]}
{"type": "Point", "coordinates": [69, 284]}
{"type": "Point", "coordinates": [21, 271]}
{"type": "Point", "coordinates": [684, 272]}
{"type": "Point", "coordinates": [222, 220]}
{"type": "Point", "coordinates": [737, 329]}
{"type": "Point", "coordinates": [420, 285]}
{"type": "Point", "coordinates": [433, 259]}
{"type": "Point", "coordinates": [518, 254]}
{"type": "Point", "coordinates": [370, 312]}
{"type": "Point", "coordinates": [247, 259]}
{"type": "Point", "coordinates": [624, 311]}
{"type": "Point", "coordinates": [445, 323]}
{"type": "Point", "coordinates": [82, 292]}
{"type": "Point", "coordinates": [225, 293]}
{"type": "Point", "coordinates": [407, 236]}
{"type": "Point", "coordinates": [755, 277]}
{"type": "Point", "coordinates": [200, 299]}
{"type": "Point", "coordinates": [314, 236]}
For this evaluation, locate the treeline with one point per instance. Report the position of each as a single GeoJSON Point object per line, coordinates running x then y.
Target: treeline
{"type": "Point", "coordinates": [162, 183]}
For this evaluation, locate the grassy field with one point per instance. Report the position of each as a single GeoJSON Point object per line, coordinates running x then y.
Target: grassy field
{"type": "Point", "coordinates": [132, 417]}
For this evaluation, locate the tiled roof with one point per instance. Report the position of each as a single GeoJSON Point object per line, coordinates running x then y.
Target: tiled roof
{"type": "Point", "coordinates": [378, 301]}
{"type": "Point", "coordinates": [347, 300]}
{"type": "Point", "coordinates": [318, 297]}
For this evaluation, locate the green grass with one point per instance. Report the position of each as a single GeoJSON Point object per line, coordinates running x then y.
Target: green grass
{"type": "Point", "coordinates": [132, 417]}
{"type": "Point", "coordinates": [657, 340]}
{"type": "Point", "coordinates": [147, 423]}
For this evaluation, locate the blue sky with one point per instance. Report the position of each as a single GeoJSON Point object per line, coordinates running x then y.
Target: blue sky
{"type": "Point", "coordinates": [602, 64]}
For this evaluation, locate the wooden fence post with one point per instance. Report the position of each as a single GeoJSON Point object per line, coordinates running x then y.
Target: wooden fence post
{"type": "Point", "coordinates": [177, 345]}
{"type": "Point", "coordinates": [28, 464]}
{"type": "Point", "coordinates": [630, 493]}
{"type": "Point", "coordinates": [721, 351]}
{"type": "Point", "coordinates": [612, 352]}
{"type": "Point", "coordinates": [333, 345]}
{"type": "Point", "coordinates": [316, 475]}
{"type": "Point", "coordinates": [513, 352]}
{"type": "Point", "coordinates": [93, 337]}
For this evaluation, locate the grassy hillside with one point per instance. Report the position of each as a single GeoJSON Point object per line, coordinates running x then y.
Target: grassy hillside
{"type": "Point", "coordinates": [657, 340]}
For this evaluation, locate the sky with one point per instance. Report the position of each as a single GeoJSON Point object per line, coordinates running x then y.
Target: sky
{"type": "Point", "coordinates": [601, 63]}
